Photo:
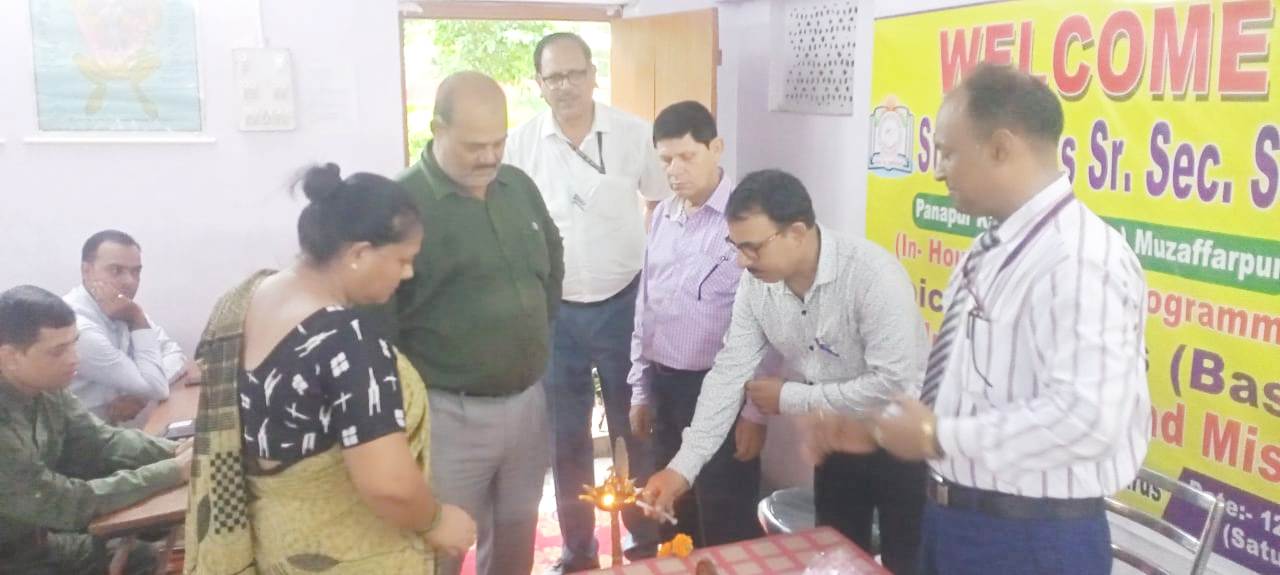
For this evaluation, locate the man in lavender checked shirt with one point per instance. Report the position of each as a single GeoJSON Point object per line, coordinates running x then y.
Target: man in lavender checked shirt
{"type": "Point", "coordinates": [685, 301]}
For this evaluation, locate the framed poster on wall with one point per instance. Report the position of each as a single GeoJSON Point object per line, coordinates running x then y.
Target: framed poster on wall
{"type": "Point", "coordinates": [116, 66]}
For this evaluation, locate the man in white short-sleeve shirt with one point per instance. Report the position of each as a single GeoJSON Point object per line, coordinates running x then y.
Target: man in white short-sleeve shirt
{"type": "Point", "coordinates": [600, 176]}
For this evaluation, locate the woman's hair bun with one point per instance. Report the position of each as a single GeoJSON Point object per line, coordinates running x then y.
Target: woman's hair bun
{"type": "Point", "coordinates": [322, 182]}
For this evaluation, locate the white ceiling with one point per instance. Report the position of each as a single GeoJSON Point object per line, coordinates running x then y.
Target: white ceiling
{"type": "Point", "coordinates": [577, 2]}
{"type": "Point", "coordinates": [612, 6]}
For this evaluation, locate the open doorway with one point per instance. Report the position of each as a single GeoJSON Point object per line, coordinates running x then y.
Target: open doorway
{"type": "Point", "coordinates": [434, 48]}
{"type": "Point", "coordinates": [643, 64]}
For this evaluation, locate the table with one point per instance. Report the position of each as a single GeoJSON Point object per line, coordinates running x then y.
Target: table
{"type": "Point", "coordinates": [166, 509]}
{"type": "Point", "coordinates": [785, 554]}
{"type": "Point", "coordinates": [182, 404]}
{"type": "Point", "coordinates": [169, 506]}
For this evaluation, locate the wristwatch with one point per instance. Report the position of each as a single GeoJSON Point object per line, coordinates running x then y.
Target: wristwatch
{"type": "Point", "coordinates": [932, 447]}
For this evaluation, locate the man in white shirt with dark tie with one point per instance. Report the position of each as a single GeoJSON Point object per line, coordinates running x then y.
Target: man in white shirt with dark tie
{"type": "Point", "coordinates": [1034, 405]}
{"type": "Point", "coordinates": [126, 361]}
{"type": "Point", "coordinates": [597, 170]}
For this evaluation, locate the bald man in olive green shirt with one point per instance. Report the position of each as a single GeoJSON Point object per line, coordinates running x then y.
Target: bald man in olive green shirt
{"type": "Point", "coordinates": [475, 321]}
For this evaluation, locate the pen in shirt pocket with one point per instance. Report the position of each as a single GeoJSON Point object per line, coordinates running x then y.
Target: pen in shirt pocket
{"type": "Point", "coordinates": [825, 347]}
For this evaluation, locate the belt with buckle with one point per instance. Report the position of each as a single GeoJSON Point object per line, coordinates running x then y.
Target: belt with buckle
{"type": "Point", "coordinates": [667, 370]}
{"type": "Point", "coordinates": [1009, 506]}
{"type": "Point", "coordinates": [483, 395]}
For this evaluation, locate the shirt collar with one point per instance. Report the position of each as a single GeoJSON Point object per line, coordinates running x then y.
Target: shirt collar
{"type": "Point", "coordinates": [439, 182]}
{"type": "Point", "coordinates": [717, 202]}
{"type": "Point", "coordinates": [82, 301]}
{"type": "Point", "coordinates": [720, 197]}
{"type": "Point", "coordinates": [11, 397]}
{"type": "Point", "coordinates": [601, 121]}
{"type": "Point", "coordinates": [828, 260]}
{"type": "Point", "coordinates": [1024, 217]}
{"type": "Point", "coordinates": [828, 264]}
{"type": "Point", "coordinates": [87, 309]}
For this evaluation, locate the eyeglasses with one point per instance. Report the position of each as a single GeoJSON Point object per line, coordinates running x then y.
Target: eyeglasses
{"type": "Point", "coordinates": [752, 249]}
{"type": "Point", "coordinates": [574, 77]}
{"type": "Point", "coordinates": [977, 316]}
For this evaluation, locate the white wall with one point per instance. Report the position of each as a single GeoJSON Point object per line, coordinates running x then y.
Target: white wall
{"type": "Point", "coordinates": [206, 213]}
{"type": "Point", "coordinates": [655, 7]}
{"type": "Point", "coordinates": [825, 152]}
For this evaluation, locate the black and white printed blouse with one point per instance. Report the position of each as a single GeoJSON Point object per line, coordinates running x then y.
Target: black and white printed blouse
{"type": "Point", "coordinates": [331, 379]}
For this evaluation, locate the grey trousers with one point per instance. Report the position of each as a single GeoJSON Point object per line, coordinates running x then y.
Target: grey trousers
{"type": "Point", "coordinates": [490, 456]}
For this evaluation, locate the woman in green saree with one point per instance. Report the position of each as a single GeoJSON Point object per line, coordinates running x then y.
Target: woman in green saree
{"type": "Point", "coordinates": [312, 438]}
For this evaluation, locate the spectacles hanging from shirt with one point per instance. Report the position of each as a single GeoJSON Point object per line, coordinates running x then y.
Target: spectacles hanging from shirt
{"type": "Point", "coordinates": [978, 316]}
{"type": "Point", "coordinates": [599, 167]}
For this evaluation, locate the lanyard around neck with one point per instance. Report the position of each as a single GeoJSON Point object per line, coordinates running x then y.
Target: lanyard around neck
{"type": "Point", "coordinates": [599, 167]}
{"type": "Point", "coordinates": [1035, 230]}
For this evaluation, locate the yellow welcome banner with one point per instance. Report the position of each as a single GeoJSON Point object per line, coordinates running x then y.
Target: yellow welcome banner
{"type": "Point", "coordinates": [1171, 136]}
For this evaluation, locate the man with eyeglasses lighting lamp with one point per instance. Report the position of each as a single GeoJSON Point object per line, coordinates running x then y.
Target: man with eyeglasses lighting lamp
{"type": "Point", "coordinates": [841, 313]}
{"type": "Point", "coordinates": [600, 176]}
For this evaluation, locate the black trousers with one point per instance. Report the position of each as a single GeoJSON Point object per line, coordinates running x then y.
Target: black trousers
{"type": "Point", "coordinates": [849, 488]}
{"type": "Point", "coordinates": [64, 553]}
{"type": "Point", "coordinates": [721, 507]}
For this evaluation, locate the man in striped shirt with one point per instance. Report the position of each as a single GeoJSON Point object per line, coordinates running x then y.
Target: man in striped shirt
{"type": "Point", "coordinates": [1034, 405]}
{"type": "Point", "coordinates": [685, 300]}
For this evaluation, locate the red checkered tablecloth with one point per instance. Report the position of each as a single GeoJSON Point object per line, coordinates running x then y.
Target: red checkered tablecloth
{"type": "Point", "coordinates": [774, 555]}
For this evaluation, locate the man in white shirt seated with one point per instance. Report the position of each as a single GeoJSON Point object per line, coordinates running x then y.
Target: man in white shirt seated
{"type": "Point", "coordinates": [126, 361]}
